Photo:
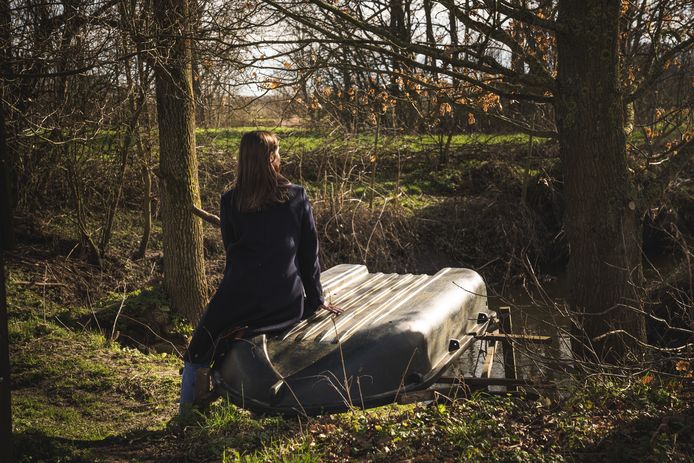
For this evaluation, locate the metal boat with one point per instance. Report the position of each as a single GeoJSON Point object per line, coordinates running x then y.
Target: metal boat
{"type": "Point", "coordinates": [398, 334]}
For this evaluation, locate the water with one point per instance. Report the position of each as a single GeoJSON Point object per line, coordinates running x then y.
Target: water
{"type": "Point", "coordinates": [536, 312]}
{"type": "Point", "coordinates": [541, 311]}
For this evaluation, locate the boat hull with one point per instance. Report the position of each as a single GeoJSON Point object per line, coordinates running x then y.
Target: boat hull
{"type": "Point", "coordinates": [398, 334]}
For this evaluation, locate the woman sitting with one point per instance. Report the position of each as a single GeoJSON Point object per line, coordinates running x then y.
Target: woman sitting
{"type": "Point", "coordinates": [272, 274]}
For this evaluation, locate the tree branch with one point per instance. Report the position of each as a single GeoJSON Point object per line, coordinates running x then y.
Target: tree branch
{"type": "Point", "coordinates": [526, 16]}
{"type": "Point", "coordinates": [682, 155]}
{"type": "Point", "coordinates": [206, 216]}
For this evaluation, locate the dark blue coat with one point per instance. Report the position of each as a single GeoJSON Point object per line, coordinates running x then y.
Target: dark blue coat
{"type": "Point", "coordinates": [271, 262]}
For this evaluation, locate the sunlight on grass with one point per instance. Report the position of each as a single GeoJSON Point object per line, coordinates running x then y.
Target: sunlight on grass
{"type": "Point", "coordinates": [287, 451]}
{"type": "Point", "coordinates": [294, 140]}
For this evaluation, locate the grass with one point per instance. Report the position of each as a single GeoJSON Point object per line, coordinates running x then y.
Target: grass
{"type": "Point", "coordinates": [406, 166]}
{"type": "Point", "coordinates": [331, 165]}
{"type": "Point", "coordinates": [295, 140]}
{"type": "Point", "coordinates": [71, 385]}
{"type": "Point", "coordinates": [79, 397]}
{"type": "Point", "coordinates": [485, 176]}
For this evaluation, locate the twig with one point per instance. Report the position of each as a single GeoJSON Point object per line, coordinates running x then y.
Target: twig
{"type": "Point", "coordinates": [115, 320]}
{"type": "Point", "coordinates": [178, 352]}
{"type": "Point", "coordinates": [39, 283]}
{"type": "Point", "coordinates": [45, 277]}
{"type": "Point", "coordinates": [342, 361]}
{"type": "Point", "coordinates": [206, 216]}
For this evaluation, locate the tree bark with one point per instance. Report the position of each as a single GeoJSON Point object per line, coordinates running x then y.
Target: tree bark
{"type": "Point", "coordinates": [6, 204]}
{"type": "Point", "coordinates": [184, 271]}
{"type": "Point", "coordinates": [604, 270]}
{"type": "Point", "coordinates": [144, 151]}
{"type": "Point", "coordinates": [6, 240]}
{"type": "Point", "coordinates": [145, 158]}
{"type": "Point", "coordinates": [195, 17]}
{"type": "Point", "coordinates": [431, 40]}
{"type": "Point", "coordinates": [398, 28]}
{"type": "Point", "coordinates": [6, 233]}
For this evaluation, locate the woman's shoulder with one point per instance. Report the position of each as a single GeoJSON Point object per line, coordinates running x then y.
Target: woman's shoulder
{"type": "Point", "coordinates": [297, 193]}
{"type": "Point", "coordinates": [296, 190]}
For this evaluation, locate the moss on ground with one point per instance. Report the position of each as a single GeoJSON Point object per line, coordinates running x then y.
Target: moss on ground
{"type": "Point", "coordinates": [81, 396]}
{"type": "Point", "coordinates": [72, 387]}
{"type": "Point", "coordinates": [78, 397]}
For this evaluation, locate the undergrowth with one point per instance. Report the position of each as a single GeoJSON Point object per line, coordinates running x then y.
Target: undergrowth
{"type": "Point", "coordinates": [94, 350]}
{"type": "Point", "coordinates": [80, 397]}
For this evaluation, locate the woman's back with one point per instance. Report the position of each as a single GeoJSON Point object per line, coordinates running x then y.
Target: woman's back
{"type": "Point", "coordinates": [272, 274]}
{"type": "Point", "coordinates": [272, 254]}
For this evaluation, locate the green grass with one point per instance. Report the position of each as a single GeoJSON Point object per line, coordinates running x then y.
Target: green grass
{"type": "Point", "coordinates": [71, 385]}
{"type": "Point", "coordinates": [292, 451]}
{"type": "Point", "coordinates": [291, 139]}
{"type": "Point", "coordinates": [295, 141]}
{"type": "Point", "coordinates": [78, 397]}
{"type": "Point", "coordinates": [329, 164]}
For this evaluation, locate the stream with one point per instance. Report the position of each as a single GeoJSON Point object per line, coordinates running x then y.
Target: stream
{"type": "Point", "coordinates": [532, 316]}
{"type": "Point", "coordinates": [539, 312]}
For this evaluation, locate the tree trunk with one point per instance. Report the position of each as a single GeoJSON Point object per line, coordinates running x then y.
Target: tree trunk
{"type": "Point", "coordinates": [453, 30]}
{"type": "Point", "coordinates": [195, 18]}
{"type": "Point", "coordinates": [431, 40]}
{"type": "Point", "coordinates": [146, 199]}
{"type": "Point", "coordinates": [399, 30]}
{"type": "Point", "coordinates": [184, 271]}
{"type": "Point", "coordinates": [604, 270]}
{"type": "Point", "coordinates": [6, 203]}
{"type": "Point", "coordinates": [6, 241]}
{"type": "Point", "coordinates": [6, 233]}
{"type": "Point", "coordinates": [144, 152]}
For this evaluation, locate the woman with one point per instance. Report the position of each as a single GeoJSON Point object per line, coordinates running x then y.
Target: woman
{"type": "Point", "coordinates": [272, 274]}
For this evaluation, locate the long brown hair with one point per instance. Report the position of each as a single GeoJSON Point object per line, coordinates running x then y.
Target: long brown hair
{"type": "Point", "coordinates": [258, 182]}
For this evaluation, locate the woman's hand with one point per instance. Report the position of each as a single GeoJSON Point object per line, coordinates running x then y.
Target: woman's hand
{"type": "Point", "coordinates": [333, 309]}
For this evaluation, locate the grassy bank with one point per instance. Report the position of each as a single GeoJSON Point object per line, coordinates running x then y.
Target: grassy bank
{"type": "Point", "coordinates": [495, 205]}
{"type": "Point", "coordinates": [79, 396]}
{"type": "Point", "coordinates": [391, 206]}
{"type": "Point", "coordinates": [95, 351]}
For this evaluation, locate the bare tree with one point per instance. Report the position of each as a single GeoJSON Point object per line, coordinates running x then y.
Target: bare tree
{"type": "Point", "coordinates": [6, 208]}
{"type": "Point", "coordinates": [184, 270]}
{"type": "Point", "coordinates": [569, 62]}
{"type": "Point", "coordinates": [5, 241]}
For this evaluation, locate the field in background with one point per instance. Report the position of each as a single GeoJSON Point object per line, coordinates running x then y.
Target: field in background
{"type": "Point", "coordinates": [112, 339]}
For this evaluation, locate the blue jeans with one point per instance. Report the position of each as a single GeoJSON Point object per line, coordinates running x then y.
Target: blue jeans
{"type": "Point", "coordinates": [190, 371]}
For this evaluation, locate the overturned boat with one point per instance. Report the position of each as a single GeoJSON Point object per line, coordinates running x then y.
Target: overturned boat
{"type": "Point", "coordinates": [398, 334]}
